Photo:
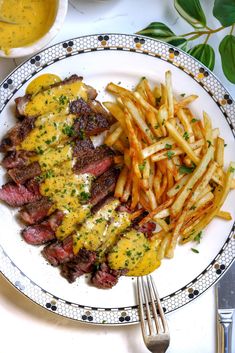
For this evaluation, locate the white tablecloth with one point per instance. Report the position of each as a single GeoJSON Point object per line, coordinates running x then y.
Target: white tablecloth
{"type": "Point", "coordinates": [26, 327]}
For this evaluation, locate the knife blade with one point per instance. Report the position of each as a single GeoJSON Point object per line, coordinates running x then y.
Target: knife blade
{"type": "Point", "coordinates": [225, 295]}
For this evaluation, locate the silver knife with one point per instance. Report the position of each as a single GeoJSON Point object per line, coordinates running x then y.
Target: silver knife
{"type": "Point", "coordinates": [225, 295]}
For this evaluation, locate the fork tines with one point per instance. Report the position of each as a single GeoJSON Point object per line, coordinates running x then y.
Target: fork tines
{"type": "Point", "coordinates": [155, 322]}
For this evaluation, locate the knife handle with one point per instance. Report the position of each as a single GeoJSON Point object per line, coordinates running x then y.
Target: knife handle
{"type": "Point", "coordinates": [225, 319]}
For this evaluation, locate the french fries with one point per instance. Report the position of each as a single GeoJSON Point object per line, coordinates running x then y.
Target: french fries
{"type": "Point", "coordinates": [172, 164]}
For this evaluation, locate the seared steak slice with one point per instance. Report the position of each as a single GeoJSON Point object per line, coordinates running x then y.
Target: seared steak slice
{"type": "Point", "coordinates": [21, 102]}
{"type": "Point", "coordinates": [17, 134]}
{"type": "Point", "coordinates": [82, 147]}
{"type": "Point", "coordinates": [105, 277]}
{"type": "Point", "coordinates": [21, 174]}
{"type": "Point", "coordinates": [34, 212]}
{"type": "Point", "coordinates": [89, 122]}
{"type": "Point", "coordinates": [18, 195]}
{"type": "Point", "coordinates": [147, 228]}
{"type": "Point", "coordinates": [59, 252]}
{"type": "Point", "coordinates": [43, 232]}
{"type": "Point", "coordinates": [82, 263]}
{"type": "Point", "coordinates": [103, 185]}
{"type": "Point", "coordinates": [95, 162]}
{"type": "Point", "coordinates": [14, 159]}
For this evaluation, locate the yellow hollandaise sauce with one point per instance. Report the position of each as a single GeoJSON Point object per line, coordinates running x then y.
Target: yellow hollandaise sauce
{"type": "Point", "coordinates": [55, 99]}
{"type": "Point", "coordinates": [31, 20]}
{"type": "Point", "coordinates": [51, 140]}
{"type": "Point", "coordinates": [41, 82]}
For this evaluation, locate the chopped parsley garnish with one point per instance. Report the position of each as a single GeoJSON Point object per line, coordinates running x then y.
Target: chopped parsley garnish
{"type": "Point", "coordinates": [183, 94]}
{"type": "Point", "coordinates": [168, 146]}
{"type": "Point", "coordinates": [39, 150]}
{"type": "Point", "coordinates": [63, 100]}
{"type": "Point", "coordinates": [68, 130]}
{"type": "Point", "coordinates": [128, 252]}
{"type": "Point", "coordinates": [142, 166]}
{"type": "Point", "coordinates": [192, 208]}
{"type": "Point", "coordinates": [183, 169]}
{"type": "Point", "coordinates": [177, 187]}
{"type": "Point", "coordinates": [225, 145]}
{"type": "Point", "coordinates": [48, 174]}
{"type": "Point", "coordinates": [186, 135]}
{"type": "Point", "coordinates": [84, 196]}
{"type": "Point", "coordinates": [170, 154]}
{"type": "Point", "coordinates": [209, 143]}
{"type": "Point", "coordinates": [194, 120]}
{"type": "Point", "coordinates": [232, 170]}
{"type": "Point", "coordinates": [198, 237]}
{"type": "Point", "coordinates": [195, 251]}
{"type": "Point", "coordinates": [163, 122]}
{"type": "Point", "coordinates": [99, 220]}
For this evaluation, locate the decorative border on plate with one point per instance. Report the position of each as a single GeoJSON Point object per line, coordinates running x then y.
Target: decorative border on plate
{"type": "Point", "coordinates": [198, 72]}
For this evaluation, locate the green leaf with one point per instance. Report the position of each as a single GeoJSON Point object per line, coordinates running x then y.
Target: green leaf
{"type": "Point", "coordinates": [224, 11]}
{"type": "Point", "coordinates": [179, 42]}
{"type": "Point", "coordinates": [204, 53]}
{"type": "Point", "coordinates": [191, 11]}
{"type": "Point", "coordinates": [157, 30]}
{"type": "Point", "coordinates": [227, 53]}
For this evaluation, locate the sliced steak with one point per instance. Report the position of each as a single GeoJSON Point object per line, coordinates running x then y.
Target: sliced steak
{"type": "Point", "coordinates": [59, 252]}
{"type": "Point", "coordinates": [14, 159]}
{"type": "Point", "coordinates": [21, 102]}
{"type": "Point", "coordinates": [103, 185]}
{"type": "Point", "coordinates": [43, 232]}
{"type": "Point", "coordinates": [89, 121]}
{"type": "Point", "coordinates": [21, 174]}
{"type": "Point", "coordinates": [147, 228]}
{"type": "Point", "coordinates": [17, 134]}
{"type": "Point", "coordinates": [95, 162]}
{"type": "Point", "coordinates": [82, 147]}
{"type": "Point", "coordinates": [36, 211]}
{"type": "Point", "coordinates": [82, 263]}
{"type": "Point", "coordinates": [18, 195]}
{"type": "Point", "coordinates": [105, 277]}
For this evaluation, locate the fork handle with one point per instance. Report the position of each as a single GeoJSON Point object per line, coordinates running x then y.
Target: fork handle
{"type": "Point", "coordinates": [225, 318]}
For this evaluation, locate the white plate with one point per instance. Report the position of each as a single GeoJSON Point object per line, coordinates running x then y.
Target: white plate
{"type": "Point", "coordinates": [119, 58]}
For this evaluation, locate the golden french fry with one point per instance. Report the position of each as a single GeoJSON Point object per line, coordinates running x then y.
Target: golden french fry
{"type": "Point", "coordinates": [220, 196]}
{"type": "Point", "coordinates": [182, 142]}
{"type": "Point", "coordinates": [204, 199]}
{"type": "Point", "coordinates": [207, 129]}
{"type": "Point", "coordinates": [157, 146]}
{"type": "Point", "coordinates": [196, 175]}
{"type": "Point", "coordinates": [119, 189]}
{"type": "Point", "coordinates": [113, 137]}
{"type": "Point", "coordinates": [149, 93]}
{"type": "Point", "coordinates": [170, 99]}
{"type": "Point", "coordinates": [225, 215]}
{"type": "Point", "coordinates": [164, 205]}
{"type": "Point", "coordinates": [178, 186]}
{"type": "Point", "coordinates": [162, 118]}
{"type": "Point", "coordinates": [119, 146]}
{"type": "Point", "coordinates": [118, 160]}
{"type": "Point", "coordinates": [139, 121]}
{"type": "Point", "coordinates": [219, 151]}
{"type": "Point", "coordinates": [117, 112]}
{"type": "Point", "coordinates": [188, 134]}
{"type": "Point", "coordinates": [233, 184]}
{"type": "Point", "coordinates": [185, 101]}
{"type": "Point", "coordinates": [135, 192]}
{"type": "Point", "coordinates": [162, 214]}
{"type": "Point", "coordinates": [118, 90]}
{"type": "Point", "coordinates": [152, 199]}
{"type": "Point", "coordinates": [163, 246]}
{"type": "Point", "coordinates": [127, 189]}
{"type": "Point", "coordinates": [162, 224]}
{"type": "Point", "coordinates": [175, 235]}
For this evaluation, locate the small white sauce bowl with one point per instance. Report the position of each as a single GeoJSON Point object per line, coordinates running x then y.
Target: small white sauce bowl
{"type": "Point", "coordinates": [43, 41]}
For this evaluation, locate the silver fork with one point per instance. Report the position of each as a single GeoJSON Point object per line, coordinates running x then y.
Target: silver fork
{"type": "Point", "coordinates": [154, 325]}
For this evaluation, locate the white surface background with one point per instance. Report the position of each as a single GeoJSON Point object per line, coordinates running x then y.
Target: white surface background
{"type": "Point", "coordinates": [24, 326]}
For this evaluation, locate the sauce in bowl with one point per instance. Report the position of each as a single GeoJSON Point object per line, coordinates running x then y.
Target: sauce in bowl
{"type": "Point", "coordinates": [32, 20]}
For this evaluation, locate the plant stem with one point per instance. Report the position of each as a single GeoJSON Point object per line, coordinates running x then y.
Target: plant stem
{"type": "Point", "coordinates": [207, 37]}
{"type": "Point", "coordinates": [200, 33]}
{"type": "Point", "coordinates": [232, 28]}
